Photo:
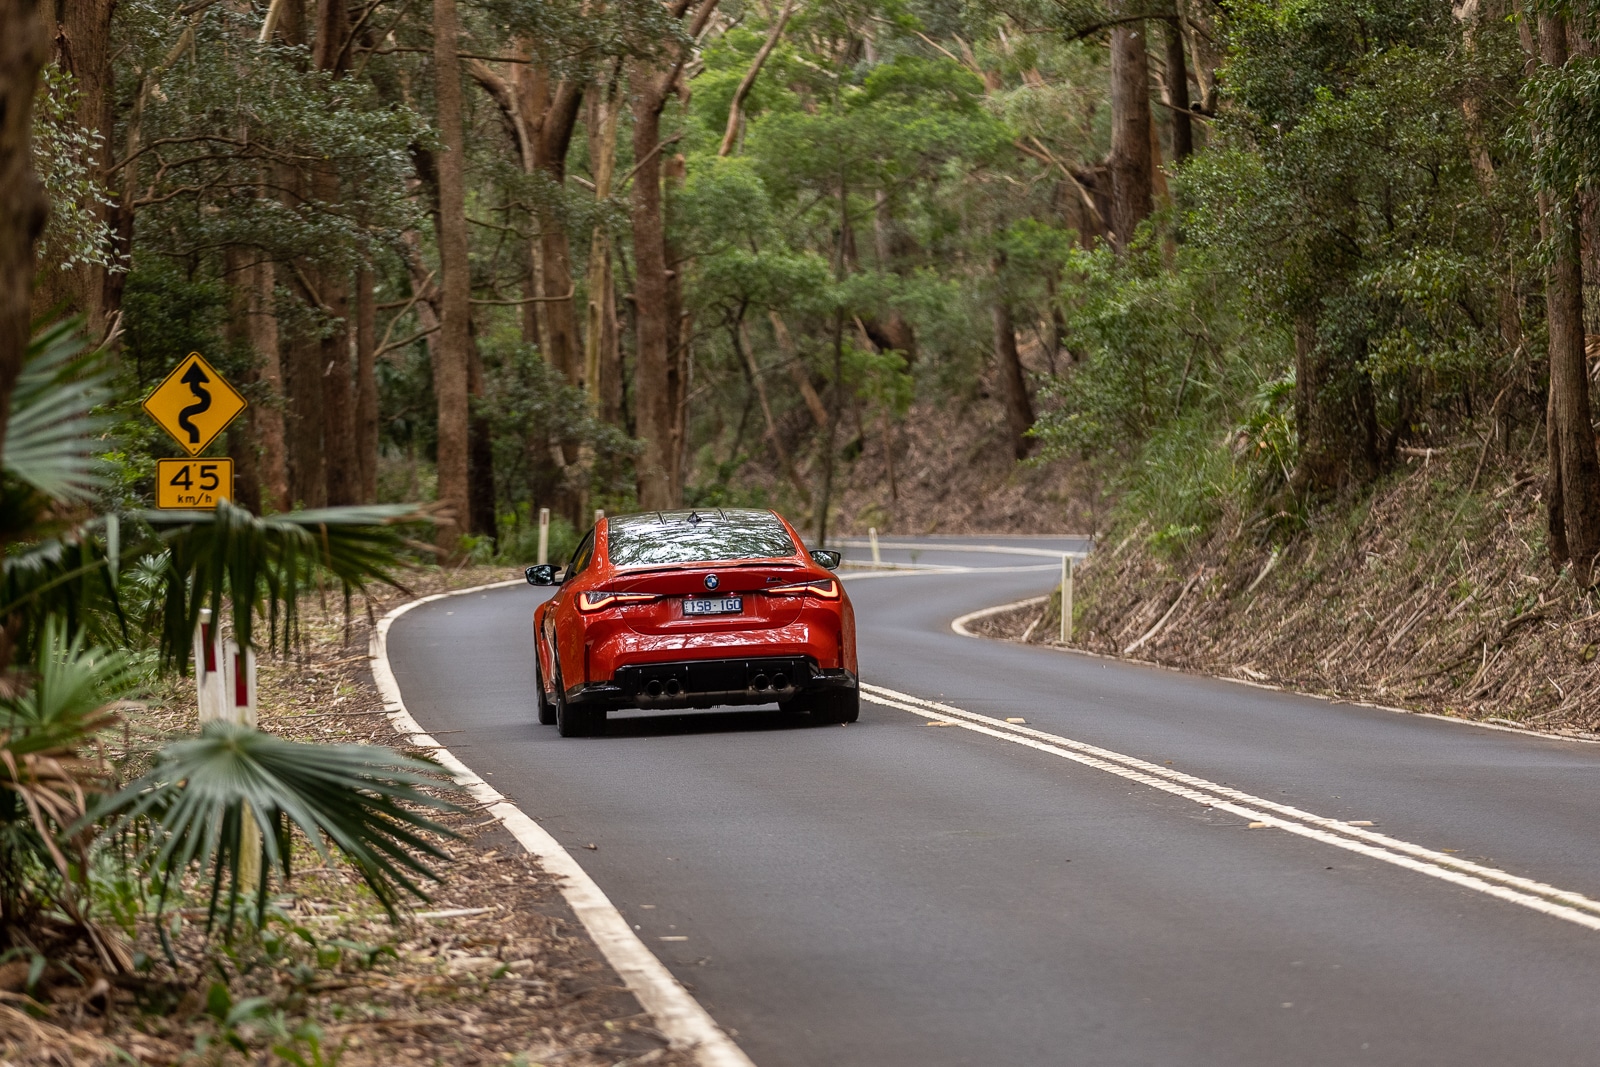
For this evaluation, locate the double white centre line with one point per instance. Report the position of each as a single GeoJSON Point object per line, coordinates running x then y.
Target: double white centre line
{"type": "Point", "coordinates": [1560, 903]}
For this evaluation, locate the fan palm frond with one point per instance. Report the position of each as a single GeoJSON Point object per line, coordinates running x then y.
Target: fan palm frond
{"type": "Point", "coordinates": [251, 560]}
{"type": "Point", "coordinates": [363, 801]}
{"type": "Point", "coordinates": [50, 439]}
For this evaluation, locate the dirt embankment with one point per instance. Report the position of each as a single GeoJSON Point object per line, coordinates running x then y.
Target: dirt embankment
{"type": "Point", "coordinates": [1434, 592]}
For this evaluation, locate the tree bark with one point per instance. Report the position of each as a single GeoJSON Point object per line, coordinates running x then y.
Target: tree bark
{"type": "Point", "coordinates": [739, 334]}
{"type": "Point", "coordinates": [1335, 418]}
{"type": "Point", "coordinates": [750, 76]}
{"type": "Point", "coordinates": [1573, 481]}
{"type": "Point", "coordinates": [653, 343]}
{"type": "Point", "coordinates": [366, 388]}
{"type": "Point", "coordinates": [480, 462]}
{"type": "Point", "coordinates": [338, 399]}
{"type": "Point", "coordinates": [604, 110]}
{"type": "Point", "coordinates": [24, 46]}
{"type": "Point", "coordinates": [239, 332]}
{"type": "Point", "coordinates": [82, 48]}
{"type": "Point", "coordinates": [1131, 163]}
{"type": "Point", "coordinates": [266, 414]}
{"type": "Point", "coordinates": [1008, 366]}
{"type": "Point", "coordinates": [798, 372]}
{"type": "Point", "coordinates": [1177, 93]}
{"type": "Point", "coordinates": [657, 373]}
{"type": "Point", "coordinates": [455, 307]}
{"type": "Point", "coordinates": [308, 480]}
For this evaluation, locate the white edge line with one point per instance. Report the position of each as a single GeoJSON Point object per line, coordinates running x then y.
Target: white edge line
{"type": "Point", "coordinates": [959, 625]}
{"type": "Point", "coordinates": [1543, 898]}
{"type": "Point", "coordinates": [686, 1024]}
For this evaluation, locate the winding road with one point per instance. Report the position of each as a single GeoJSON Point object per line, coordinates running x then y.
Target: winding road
{"type": "Point", "coordinates": [1155, 868]}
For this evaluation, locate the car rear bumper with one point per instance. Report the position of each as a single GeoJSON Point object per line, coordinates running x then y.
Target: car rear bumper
{"type": "Point", "coordinates": [705, 683]}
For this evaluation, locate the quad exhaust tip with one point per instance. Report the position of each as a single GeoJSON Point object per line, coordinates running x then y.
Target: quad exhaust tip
{"type": "Point", "coordinates": [759, 682]}
{"type": "Point", "coordinates": [673, 688]}
{"type": "Point", "coordinates": [780, 681]}
{"type": "Point", "coordinates": [653, 688]}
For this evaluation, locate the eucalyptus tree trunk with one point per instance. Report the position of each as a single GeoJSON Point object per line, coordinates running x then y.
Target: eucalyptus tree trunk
{"type": "Point", "coordinates": [1008, 367]}
{"type": "Point", "coordinates": [546, 113]}
{"type": "Point", "coordinates": [654, 373]}
{"type": "Point", "coordinates": [1131, 161]}
{"type": "Point", "coordinates": [1572, 488]}
{"type": "Point", "coordinates": [604, 110]}
{"type": "Point", "coordinates": [455, 304]}
{"type": "Point", "coordinates": [366, 388]}
{"type": "Point", "coordinates": [659, 371]}
{"type": "Point", "coordinates": [1177, 92]}
{"type": "Point", "coordinates": [24, 48]}
{"type": "Point", "coordinates": [331, 54]}
{"type": "Point", "coordinates": [266, 413]}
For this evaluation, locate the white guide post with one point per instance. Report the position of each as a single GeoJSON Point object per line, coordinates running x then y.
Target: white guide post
{"type": "Point", "coordinates": [599, 513]}
{"type": "Point", "coordinates": [1066, 599]}
{"type": "Point", "coordinates": [209, 680]}
{"type": "Point", "coordinates": [872, 535]}
{"type": "Point", "coordinates": [224, 675]}
{"type": "Point", "coordinates": [544, 536]}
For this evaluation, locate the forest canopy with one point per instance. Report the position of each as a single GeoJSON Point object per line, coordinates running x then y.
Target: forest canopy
{"type": "Point", "coordinates": [612, 254]}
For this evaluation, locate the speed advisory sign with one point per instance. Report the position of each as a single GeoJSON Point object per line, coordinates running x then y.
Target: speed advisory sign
{"type": "Point", "coordinates": [193, 483]}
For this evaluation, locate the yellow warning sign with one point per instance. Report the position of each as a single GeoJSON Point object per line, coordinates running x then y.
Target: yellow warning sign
{"type": "Point", "coordinates": [193, 484]}
{"type": "Point", "coordinates": [194, 404]}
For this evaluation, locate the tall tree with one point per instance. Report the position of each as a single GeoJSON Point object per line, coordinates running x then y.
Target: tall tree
{"type": "Point", "coordinates": [1131, 160]}
{"type": "Point", "coordinates": [1008, 368]}
{"type": "Point", "coordinates": [1572, 487]}
{"type": "Point", "coordinates": [1175, 86]}
{"type": "Point", "coordinates": [331, 55]}
{"type": "Point", "coordinates": [23, 50]}
{"type": "Point", "coordinates": [82, 48]}
{"type": "Point", "coordinates": [455, 304]}
{"type": "Point", "coordinates": [659, 375]}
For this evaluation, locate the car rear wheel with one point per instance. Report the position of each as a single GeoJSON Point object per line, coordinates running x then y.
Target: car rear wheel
{"type": "Point", "coordinates": [575, 722]}
{"type": "Point", "coordinates": [547, 710]}
{"type": "Point", "coordinates": [834, 707]}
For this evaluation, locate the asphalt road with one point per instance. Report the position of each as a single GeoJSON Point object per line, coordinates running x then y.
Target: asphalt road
{"type": "Point", "coordinates": [890, 893]}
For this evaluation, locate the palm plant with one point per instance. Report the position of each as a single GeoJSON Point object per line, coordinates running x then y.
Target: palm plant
{"type": "Point", "coordinates": [62, 599]}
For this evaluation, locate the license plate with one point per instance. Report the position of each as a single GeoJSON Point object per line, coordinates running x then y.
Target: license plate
{"type": "Point", "coordinates": [714, 605]}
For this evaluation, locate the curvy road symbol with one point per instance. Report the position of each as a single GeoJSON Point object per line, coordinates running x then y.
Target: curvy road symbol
{"type": "Point", "coordinates": [195, 379]}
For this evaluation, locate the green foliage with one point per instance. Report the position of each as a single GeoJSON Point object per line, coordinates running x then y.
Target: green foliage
{"type": "Point", "coordinates": [64, 159]}
{"type": "Point", "coordinates": [359, 800]}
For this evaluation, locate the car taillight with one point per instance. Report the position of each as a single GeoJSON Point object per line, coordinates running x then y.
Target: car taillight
{"type": "Point", "coordinates": [826, 588]}
{"type": "Point", "coordinates": [597, 599]}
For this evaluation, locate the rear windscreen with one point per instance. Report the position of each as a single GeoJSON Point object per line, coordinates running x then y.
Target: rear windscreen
{"type": "Point", "coordinates": [657, 538]}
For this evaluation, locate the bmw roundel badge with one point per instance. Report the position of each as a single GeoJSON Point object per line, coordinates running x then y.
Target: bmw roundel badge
{"type": "Point", "coordinates": [711, 581]}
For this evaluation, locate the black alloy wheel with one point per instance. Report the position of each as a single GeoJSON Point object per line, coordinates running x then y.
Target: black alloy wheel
{"type": "Point", "coordinates": [575, 722]}
{"type": "Point", "coordinates": [547, 710]}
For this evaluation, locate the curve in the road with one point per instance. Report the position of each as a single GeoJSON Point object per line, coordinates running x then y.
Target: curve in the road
{"type": "Point", "coordinates": [888, 894]}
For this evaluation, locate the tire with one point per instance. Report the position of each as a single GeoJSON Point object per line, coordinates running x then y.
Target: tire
{"type": "Point", "coordinates": [575, 722]}
{"type": "Point", "coordinates": [547, 710]}
{"type": "Point", "coordinates": [836, 707]}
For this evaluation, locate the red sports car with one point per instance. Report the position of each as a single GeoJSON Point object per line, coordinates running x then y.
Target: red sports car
{"type": "Point", "coordinates": [693, 609]}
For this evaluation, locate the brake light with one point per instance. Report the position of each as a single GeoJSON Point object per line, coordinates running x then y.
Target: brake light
{"type": "Point", "coordinates": [598, 599]}
{"type": "Point", "coordinates": [826, 588]}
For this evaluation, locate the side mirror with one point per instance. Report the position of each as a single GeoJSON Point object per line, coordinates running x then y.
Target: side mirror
{"type": "Point", "coordinates": [827, 557]}
{"type": "Point", "coordinates": [542, 574]}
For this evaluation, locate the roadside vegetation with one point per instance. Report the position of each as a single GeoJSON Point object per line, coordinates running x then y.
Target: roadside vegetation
{"type": "Point", "coordinates": [1290, 304]}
